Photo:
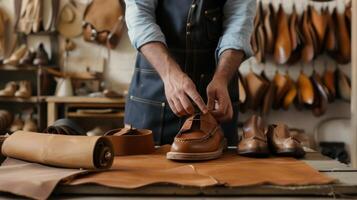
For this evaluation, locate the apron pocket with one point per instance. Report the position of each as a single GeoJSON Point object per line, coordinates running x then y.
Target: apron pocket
{"type": "Point", "coordinates": [145, 114]}
{"type": "Point", "coordinates": [214, 23]}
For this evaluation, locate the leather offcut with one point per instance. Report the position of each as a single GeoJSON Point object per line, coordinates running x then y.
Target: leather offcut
{"type": "Point", "coordinates": [131, 141]}
{"type": "Point", "coordinates": [230, 170]}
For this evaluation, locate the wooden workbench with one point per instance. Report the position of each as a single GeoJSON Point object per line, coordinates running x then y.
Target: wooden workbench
{"type": "Point", "coordinates": [346, 187]}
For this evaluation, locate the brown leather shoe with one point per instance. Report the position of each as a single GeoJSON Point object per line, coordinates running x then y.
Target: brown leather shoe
{"type": "Point", "coordinates": [282, 143]}
{"type": "Point", "coordinates": [305, 89]}
{"type": "Point", "coordinates": [283, 46]}
{"type": "Point", "coordinates": [30, 125]}
{"type": "Point", "coordinates": [269, 28]}
{"type": "Point", "coordinates": [282, 87]}
{"type": "Point", "coordinates": [329, 81]}
{"type": "Point", "coordinates": [25, 90]}
{"type": "Point", "coordinates": [308, 52]}
{"type": "Point", "coordinates": [9, 90]}
{"type": "Point", "coordinates": [254, 141]}
{"type": "Point", "coordinates": [269, 95]}
{"type": "Point", "coordinates": [290, 95]}
{"type": "Point", "coordinates": [343, 85]}
{"type": "Point", "coordinates": [200, 138]}
{"type": "Point", "coordinates": [331, 36]}
{"type": "Point", "coordinates": [321, 95]}
{"type": "Point", "coordinates": [256, 88]}
{"type": "Point", "coordinates": [319, 23]}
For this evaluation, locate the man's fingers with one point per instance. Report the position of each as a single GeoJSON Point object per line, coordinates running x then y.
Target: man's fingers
{"type": "Point", "coordinates": [172, 106]}
{"type": "Point", "coordinates": [197, 99]}
{"type": "Point", "coordinates": [180, 109]}
{"type": "Point", "coordinates": [224, 113]}
{"type": "Point", "coordinates": [187, 105]}
{"type": "Point", "coordinates": [211, 100]}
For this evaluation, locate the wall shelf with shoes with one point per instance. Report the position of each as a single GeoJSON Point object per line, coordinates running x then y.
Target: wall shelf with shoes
{"type": "Point", "coordinates": [302, 71]}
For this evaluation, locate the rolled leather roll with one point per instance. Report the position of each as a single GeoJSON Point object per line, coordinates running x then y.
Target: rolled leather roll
{"type": "Point", "coordinates": [60, 150]}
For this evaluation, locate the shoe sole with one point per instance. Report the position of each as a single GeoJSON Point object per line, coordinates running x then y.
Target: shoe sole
{"type": "Point", "coordinates": [197, 156]}
{"type": "Point", "coordinates": [290, 153]}
{"type": "Point", "coordinates": [254, 153]}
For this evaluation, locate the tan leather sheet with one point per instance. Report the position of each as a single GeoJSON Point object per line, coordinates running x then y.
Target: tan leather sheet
{"type": "Point", "coordinates": [32, 180]}
{"type": "Point", "coordinates": [230, 170]}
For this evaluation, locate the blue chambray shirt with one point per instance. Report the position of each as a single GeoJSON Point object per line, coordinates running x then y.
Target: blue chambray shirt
{"type": "Point", "coordinates": [237, 24]}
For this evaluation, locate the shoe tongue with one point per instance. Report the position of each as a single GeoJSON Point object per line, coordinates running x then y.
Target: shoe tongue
{"type": "Point", "coordinates": [282, 131]}
{"type": "Point", "coordinates": [196, 123]}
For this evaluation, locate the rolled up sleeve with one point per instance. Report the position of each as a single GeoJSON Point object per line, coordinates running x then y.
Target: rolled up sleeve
{"type": "Point", "coordinates": [237, 26]}
{"type": "Point", "coordinates": [141, 21]}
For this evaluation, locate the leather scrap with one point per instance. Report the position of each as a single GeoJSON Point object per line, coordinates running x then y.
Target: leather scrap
{"type": "Point", "coordinates": [32, 180]}
{"type": "Point", "coordinates": [230, 170]}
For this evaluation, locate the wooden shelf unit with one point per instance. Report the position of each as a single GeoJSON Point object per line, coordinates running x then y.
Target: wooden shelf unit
{"type": "Point", "coordinates": [53, 104]}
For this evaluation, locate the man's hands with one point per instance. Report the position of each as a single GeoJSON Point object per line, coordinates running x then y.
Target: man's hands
{"type": "Point", "coordinates": [180, 90]}
{"type": "Point", "coordinates": [219, 102]}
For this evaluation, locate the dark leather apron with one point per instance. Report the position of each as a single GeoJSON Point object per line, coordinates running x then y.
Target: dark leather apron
{"type": "Point", "coordinates": [192, 29]}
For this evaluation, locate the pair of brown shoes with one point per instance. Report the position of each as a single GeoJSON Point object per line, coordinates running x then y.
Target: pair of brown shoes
{"type": "Point", "coordinates": [12, 90]}
{"type": "Point", "coordinates": [259, 141]}
{"type": "Point", "coordinates": [29, 125]}
{"type": "Point", "coordinates": [25, 56]}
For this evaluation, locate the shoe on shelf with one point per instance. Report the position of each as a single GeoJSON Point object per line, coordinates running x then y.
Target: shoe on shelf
{"type": "Point", "coordinates": [30, 125]}
{"type": "Point", "coordinates": [282, 143]}
{"type": "Point", "coordinates": [37, 20]}
{"type": "Point", "coordinates": [9, 90]}
{"type": "Point", "coordinates": [200, 138]}
{"type": "Point", "coordinates": [16, 56]}
{"type": "Point", "coordinates": [41, 57]}
{"type": "Point", "coordinates": [111, 94]}
{"type": "Point", "coordinates": [25, 90]}
{"type": "Point", "coordinates": [17, 125]}
{"type": "Point", "coordinates": [27, 59]}
{"type": "Point", "coordinates": [254, 141]}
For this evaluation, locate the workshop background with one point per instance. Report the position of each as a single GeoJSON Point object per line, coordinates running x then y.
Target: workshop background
{"type": "Point", "coordinates": [118, 66]}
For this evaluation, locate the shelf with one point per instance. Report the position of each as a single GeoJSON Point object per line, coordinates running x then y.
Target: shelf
{"type": "Point", "coordinates": [22, 68]}
{"type": "Point", "coordinates": [91, 115]}
{"type": "Point", "coordinates": [40, 33]}
{"type": "Point", "coordinates": [33, 99]}
{"type": "Point", "coordinates": [78, 99]}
